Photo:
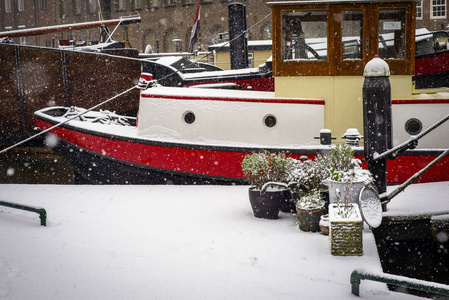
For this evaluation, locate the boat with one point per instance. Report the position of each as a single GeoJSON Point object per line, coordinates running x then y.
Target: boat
{"type": "Point", "coordinates": [200, 136]}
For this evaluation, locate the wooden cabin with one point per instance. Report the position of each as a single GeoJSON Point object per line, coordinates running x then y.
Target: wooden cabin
{"type": "Point", "coordinates": [320, 50]}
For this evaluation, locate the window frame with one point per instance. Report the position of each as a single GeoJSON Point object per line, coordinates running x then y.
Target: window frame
{"type": "Point", "coordinates": [21, 5]}
{"type": "Point", "coordinates": [151, 4]}
{"type": "Point", "coordinates": [420, 7]}
{"type": "Point", "coordinates": [8, 7]}
{"type": "Point", "coordinates": [432, 16]}
{"type": "Point", "coordinates": [333, 66]}
{"type": "Point", "coordinates": [294, 67]}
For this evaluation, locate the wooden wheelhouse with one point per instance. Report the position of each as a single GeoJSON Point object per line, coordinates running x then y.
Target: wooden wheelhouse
{"type": "Point", "coordinates": [320, 49]}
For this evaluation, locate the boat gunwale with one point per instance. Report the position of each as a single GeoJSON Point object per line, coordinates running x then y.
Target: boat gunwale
{"type": "Point", "coordinates": [304, 150]}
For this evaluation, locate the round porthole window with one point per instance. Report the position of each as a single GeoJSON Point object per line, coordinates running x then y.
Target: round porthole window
{"type": "Point", "coordinates": [189, 117]}
{"type": "Point", "coordinates": [413, 126]}
{"type": "Point", "coordinates": [269, 121]}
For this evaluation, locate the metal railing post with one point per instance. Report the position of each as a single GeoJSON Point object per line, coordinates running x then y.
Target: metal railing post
{"type": "Point", "coordinates": [411, 283]}
{"type": "Point", "coordinates": [40, 210]}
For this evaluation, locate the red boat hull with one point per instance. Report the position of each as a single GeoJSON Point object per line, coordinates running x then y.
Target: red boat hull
{"type": "Point", "coordinates": [102, 158]}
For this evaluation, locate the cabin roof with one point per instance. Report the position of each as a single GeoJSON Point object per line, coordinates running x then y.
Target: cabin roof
{"type": "Point", "coordinates": [318, 2]}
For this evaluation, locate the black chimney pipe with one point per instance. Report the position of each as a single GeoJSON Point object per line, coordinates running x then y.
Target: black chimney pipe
{"type": "Point", "coordinates": [237, 36]}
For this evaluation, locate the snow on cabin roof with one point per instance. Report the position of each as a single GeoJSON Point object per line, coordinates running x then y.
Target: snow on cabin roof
{"type": "Point", "coordinates": [313, 2]}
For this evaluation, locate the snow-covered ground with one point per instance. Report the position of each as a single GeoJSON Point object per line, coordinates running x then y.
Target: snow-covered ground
{"type": "Point", "coordinates": [173, 242]}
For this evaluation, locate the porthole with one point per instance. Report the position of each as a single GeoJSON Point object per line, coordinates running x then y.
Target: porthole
{"type": "Point", "coordinates": [270, 121]}
{"type": "Point", "coordinates": [189, 117]}
{"type": "Point", "coordinates": [413, 126]}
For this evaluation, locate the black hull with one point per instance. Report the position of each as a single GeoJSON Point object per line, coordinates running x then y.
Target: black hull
{"type": "Point", "coordinates": [93, 168]}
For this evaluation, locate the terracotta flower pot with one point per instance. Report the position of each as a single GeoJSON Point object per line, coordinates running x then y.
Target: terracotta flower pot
{"type": "Point", "coordinates": [309, 219]}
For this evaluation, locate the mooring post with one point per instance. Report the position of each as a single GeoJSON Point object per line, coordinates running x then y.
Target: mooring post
{"type": "Point", "coordinates": [377, 119]}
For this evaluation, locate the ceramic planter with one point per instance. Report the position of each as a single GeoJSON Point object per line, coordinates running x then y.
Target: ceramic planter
{"type": "Point", "coordinates": [324, 224]}
{"type": "Point", "coordinates": [268, 204]}
{"type": "Point", "coordinates": [346, 234]}
{"type": "Point", "coordinates": [309, 219]}
{"type": "Point", "coordinates": [337, 188]}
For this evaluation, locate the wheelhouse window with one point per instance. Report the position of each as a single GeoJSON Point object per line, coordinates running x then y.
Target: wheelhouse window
{"type": "Point", "coordinates": [352, 34]}
{"type": "Point", "coordinates": [392, 33]}
{"type": "Point", "coordinates": [304, 35]}
{"type": "Point", "coordinates": [338, 39]}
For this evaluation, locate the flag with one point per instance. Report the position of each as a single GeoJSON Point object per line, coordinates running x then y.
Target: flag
{"type": "Point", "coordinates": [195, 29]}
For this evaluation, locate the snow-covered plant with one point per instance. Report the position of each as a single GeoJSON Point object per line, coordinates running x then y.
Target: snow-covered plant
{"type": "Point", "coordinates": [344, 167]}
{"type": "Point", "coordinates": [311, 200]}
{"type": "Point", "coordinates": [340, 157]}
{"type": "Point", "coordinates": [309, 174]}
{"type": "Point", "coordinates": [263, 167]}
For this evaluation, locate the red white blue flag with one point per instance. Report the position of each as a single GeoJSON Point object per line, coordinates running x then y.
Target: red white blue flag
{"type": "Point", "coordinates": [195, 29]}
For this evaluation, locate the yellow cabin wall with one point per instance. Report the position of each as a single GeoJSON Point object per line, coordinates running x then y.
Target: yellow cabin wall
{"type": "Point", "coordinates": [342, 94]}
{"type": "Point", "coordinates": [260, 56]}
{"type": "Point", "coordinates": [223, 58]}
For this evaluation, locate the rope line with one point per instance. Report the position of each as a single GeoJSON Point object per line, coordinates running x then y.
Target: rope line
{"type": "Point", "coordinates": [65, 121]}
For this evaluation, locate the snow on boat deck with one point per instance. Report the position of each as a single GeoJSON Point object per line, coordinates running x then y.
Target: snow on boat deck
{"type": "Point", "coordinates": [175, 242]}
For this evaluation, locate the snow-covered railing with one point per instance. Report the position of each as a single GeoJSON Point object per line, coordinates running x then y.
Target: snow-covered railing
{"type": "Point", "coordinates": [410, 143]}
{"type": "Point", "coordinates": [386, 197]}
{"type": "Point", "coordinates": [421, 285]}
{"type": "Point", "coordinates": [40, 210]}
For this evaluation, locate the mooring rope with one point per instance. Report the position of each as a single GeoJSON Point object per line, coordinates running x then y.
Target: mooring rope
{"type": "Point", "coordinates": [116, 96]}
{"type": "Point", "coordinates": [65, 121]}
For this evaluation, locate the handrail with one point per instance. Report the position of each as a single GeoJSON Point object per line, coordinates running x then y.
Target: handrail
{"type": "Point", "coordinates": [386, 197]}
{"type": "Point", "coordinates": [40, 210]}
{"type": "Point", "coordinates": [412, 142]}
{"type": "Point", "coordinates": [421, 285]}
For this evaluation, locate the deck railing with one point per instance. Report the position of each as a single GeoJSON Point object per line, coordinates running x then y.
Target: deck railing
{"type": "Point", "coordinates": [421, 285]}
{"type": "Point", "coordinates": [40, 210]}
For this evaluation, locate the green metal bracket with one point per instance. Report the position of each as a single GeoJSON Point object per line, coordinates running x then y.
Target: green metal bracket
{"type": "Point", "coordinates": [41, 211]}
{"type": "Point", "coordinates": [358, 274]}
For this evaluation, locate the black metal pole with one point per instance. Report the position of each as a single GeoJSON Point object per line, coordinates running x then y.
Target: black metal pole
{"type": "Point", "coordinates": [237, 36]}
{"type": "Point", "coordinates": [377, 119]}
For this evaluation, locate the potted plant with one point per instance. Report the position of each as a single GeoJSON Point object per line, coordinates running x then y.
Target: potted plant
{"type": "Point", "coordinates": [345, 229]}
{"type": "Point", "coordinates": [345, 182]}
{"type": "Point", "coordinates": [310, 208]}
{"type": "Point", "coordinates": [308, 176]}
{"type": "Point", "coordinates": [345, 174]}
{"type": "Point", "coordinates": [260, 169]}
